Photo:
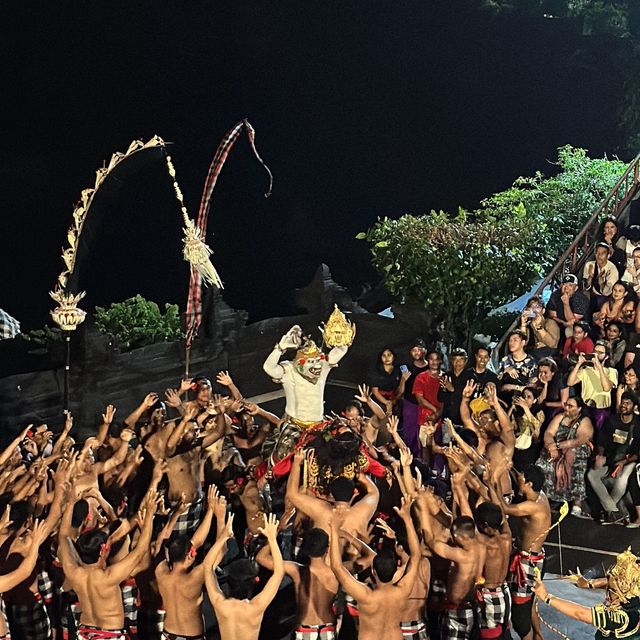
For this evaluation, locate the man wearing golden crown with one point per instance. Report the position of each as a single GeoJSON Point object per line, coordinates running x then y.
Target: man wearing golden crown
{"type": "Point", "coordinates": [303, 378]}
{"type": "Point", "coordinates": [619, 615]}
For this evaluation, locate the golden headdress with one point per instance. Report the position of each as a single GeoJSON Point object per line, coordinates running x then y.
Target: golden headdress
{"type": "Point", "coordinates": [624, 578]}
{"type": "Point", "coordinates": [338, 331]}
{"type": "Point", "coordinates": [308, 349]}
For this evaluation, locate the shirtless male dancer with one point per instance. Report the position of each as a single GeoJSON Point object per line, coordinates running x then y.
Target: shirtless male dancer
{"type": "Point", "coordinates": [353, 519]}
{"type": "Point", "coordinates": [494, 595]}
{"type": "Point", "coordinates": [240, 616]}
{"type": "Point", "coordinates": [467, 556]}
{"type": "Point", "coordinates": [181, 583]}
{"type": "Point", "coordinates": [96, 583]}
{"type": "Point", "coordinates": [535, 517]}
{"type": "Point", "coordinates": [381, 608]}
{"type": "Point", "coordinates": [315, 585]}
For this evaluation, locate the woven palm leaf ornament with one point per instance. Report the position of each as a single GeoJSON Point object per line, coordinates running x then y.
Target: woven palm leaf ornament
{"type": "Point", "coordinates": [67, 316]}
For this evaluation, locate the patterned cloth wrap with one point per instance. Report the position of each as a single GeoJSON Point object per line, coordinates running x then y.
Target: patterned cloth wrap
{"type": "Point", "coordinates": [129, 591]}
{"type": "Point", "coordinates": [87, 632]}
{"type": "Point", "coordinates": [29, 621]}
{"type": "Point", "coordinates": [70, 615]}
{"type": "Point", "coordinates": [189, 519]}
{"type": "Point", "coordinates": [458, 621]}
{"type": "Point", "coordinates": [495, 610]}
{"type": "Point", "coordinates": [325, 631]}
{"type": "Point", "coordinates": [151, 623]}
{"type": "Point", "coordinates": [414, 630]}
{"type": "Point", "coordinates": [166, 635]}
{"type": "Point", "coordinates": [522, 574]}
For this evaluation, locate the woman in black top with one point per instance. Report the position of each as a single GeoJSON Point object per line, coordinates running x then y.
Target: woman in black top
{"type": "Point", "coordinates": [386, 383]}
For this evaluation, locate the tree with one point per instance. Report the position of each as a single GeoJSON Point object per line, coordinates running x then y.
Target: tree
{"type": "Point", "coordinates": [460, 268]}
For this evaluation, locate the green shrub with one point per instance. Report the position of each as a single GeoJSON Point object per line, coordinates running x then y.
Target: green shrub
{"type": "Point", "coordinates": [137, 322]}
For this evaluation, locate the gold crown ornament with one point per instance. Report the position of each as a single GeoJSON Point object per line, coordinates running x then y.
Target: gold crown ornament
{"type": "Point", "coordinates": [624, 578]}
{"type": "Point", "coordinates": [308, 349]}
{"type": "Point", "coordinates": [338, 331]}
{"type": "Point", "coordinates": [67, 315]}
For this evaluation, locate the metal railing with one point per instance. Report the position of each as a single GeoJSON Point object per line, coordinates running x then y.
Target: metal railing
{"type": "Point", "coordinates": [572, 260]}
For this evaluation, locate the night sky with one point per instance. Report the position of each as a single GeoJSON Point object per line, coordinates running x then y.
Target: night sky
{"type": "Point", "coordinates": [361, 109]}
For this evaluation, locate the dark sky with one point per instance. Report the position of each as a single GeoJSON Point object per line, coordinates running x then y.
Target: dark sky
{"type": "Point", "coordinates": [362, 109]}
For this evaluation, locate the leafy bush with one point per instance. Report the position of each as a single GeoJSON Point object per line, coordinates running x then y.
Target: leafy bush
{"type": "Point", "coordinates": [45, 336]}
{"type": "Point", "coordinates": [462, 267]}
{"type": "Point", "coordinates": [137, 322]}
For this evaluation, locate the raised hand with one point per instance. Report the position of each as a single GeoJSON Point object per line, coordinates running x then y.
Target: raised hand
{"type": "Point", "coordinates": [224, 379]}
{"type": "Point", "coordinates": [185, 384]}
{"type": "Point", "coordinates": [150, 399]}
{"type": "Point", "coordinates": [172, 398]}
{"type": "Point", "coordinates": [270, 529]}
{"type": "Point", "coordinates": [404, 511]}
{"type": "Point", "coordinates": [392, 424]}
{"type": "Point", "coordinates": [406, 457]}
{"type": "Point", "coordinates": [363, 393]}
{"type": "Point", "coordinates": [109, 413]}
{"type": "Point", "coordinates": [251, 408]}
{"type": "Point", "coordinates": [292, 339]}
{"type": "Point", "coordinates": [126, 435]}
{"type": "Point", "coordinates": [469, 389]}
{"type": "Point", "coordinates": [387, 531]}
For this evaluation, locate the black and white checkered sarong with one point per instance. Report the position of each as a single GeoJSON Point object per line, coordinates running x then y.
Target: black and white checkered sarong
{"type": "Point", "coordinates": [495, 610]}
{"type": "Point", "coordinates": [29, 621]}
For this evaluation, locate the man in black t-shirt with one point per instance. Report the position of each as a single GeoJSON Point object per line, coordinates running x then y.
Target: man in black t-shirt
{"type": "Point", "coordinates": [410, 426]}
{"type": "Point", "coordinates": [617, 450]}
{"type": "Point", "coordinates": [479, 372]}
{"type": "Point", "coordinates": [567, 305]}
{"type": "Point", "coordinates": [453, 384]}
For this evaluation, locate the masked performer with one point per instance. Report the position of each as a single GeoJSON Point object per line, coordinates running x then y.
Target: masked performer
{"type": "Point", "coordinates": [303, 378]}
{"type": "Point", "coordinates": [619, 615]}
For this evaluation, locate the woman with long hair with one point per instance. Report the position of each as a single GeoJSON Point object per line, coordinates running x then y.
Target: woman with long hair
{"type": "Point", "coordinates": [387, 383]}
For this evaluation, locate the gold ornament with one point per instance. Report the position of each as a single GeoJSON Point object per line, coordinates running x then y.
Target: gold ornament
{"type": "Point", "coordinates": [309, 349]}
{"type": "Point", "coordinates": [67, 315]}
{"type": "Point", "coordinates": [196, 251]}
{"type": "Point", "coordinates": [624, 579]}
{"type": "Point", "coordinates": [338, 331]}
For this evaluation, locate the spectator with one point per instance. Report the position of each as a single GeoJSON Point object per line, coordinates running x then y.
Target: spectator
{"type": "Point", "coordinates": [631, 274]}
{"type": "Point", "coordinates": [410, 424]}
{"type": "Point", "coordinates": [600, 275]}
{"type": "Point", "coordinates": [609, 232]}
{"type": "Point", "coordinates": [616, 343]}
{"type": "Point", "coordinates": [387, 384]}
{"type": "Point", "coordinates": [629, 242]}
{"type": "Point", "coordinates": [527, 419]}
{"type": "Point", "coordinates": [597, 381]}
{"type": "Point", "coordinates": [553, 391]}
{"type": "Point", "coordinates": [427, 389]}
{"type": "Point", "coordinates": [615, 306]}
{"type": "Point", "coordinates": [453, 384]}
{"type": "Point", "coordinates": [630, 384]}
{"type": "Point", "coordinates": [565, 455]}
{"type": "Point", "coordinates": [543, 333]}
{"type": "Point", "coordinates": [480, 374]}
{"type": "Point", "coordinates": [579, 342]}
{"type": "Point", "coordinates": [617, 448]}
{"type": "Point", "coordinates": [567, 305]}
{"type": "Point", "coordinates": [518, 368]}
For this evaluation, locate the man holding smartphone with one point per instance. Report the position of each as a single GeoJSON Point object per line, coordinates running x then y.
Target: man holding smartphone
{"type": "Point", "coordinates": [597, 381]}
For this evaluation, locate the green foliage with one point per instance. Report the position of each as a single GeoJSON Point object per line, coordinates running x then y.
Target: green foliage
{"type": "Point", "coordinates": [45, 336]}
{"type": "Point", "coordinates": [561, 204]}
{"type": "Point", "coordinates": [137, 322]}
{"type": "Point", "coordinates": [462, 267]}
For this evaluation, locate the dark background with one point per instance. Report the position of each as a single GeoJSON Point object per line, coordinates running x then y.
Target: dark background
{"type": "Point", "coordinates": [361, 109]}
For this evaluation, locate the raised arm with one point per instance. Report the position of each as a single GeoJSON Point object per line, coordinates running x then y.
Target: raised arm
{"type": "Point", "coordinates": [123, 569]}
{"type": "Point", "coordinates": [119, 455]}
{"type": "Point", "coordinates": [465, 410]}
{"type": "Point", "coordinates": [507, 434]}
{"type": "Point", "coordinates": [365, 508]}
{"type": "Point", "coordinates": [225, 380]}
{"type": "Point", "coordinates": [408, 580]}
{"type": "Point", "coordinates": [201, 533]}
{"type": "Point", "coordinates": [134, 417]}
{"type": "Point", "coordinates": [290, 340]}
{"type": "Point", "coordinates": [211, 561]}
{"type": "Point", "coordinates": [350, 584]}
{"type": "Point", "coordinates": [315, 508]}
{"type": "Point", "coordinates": [364, 395]}
{"type": "Point", "coordinates": [270, 531]}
